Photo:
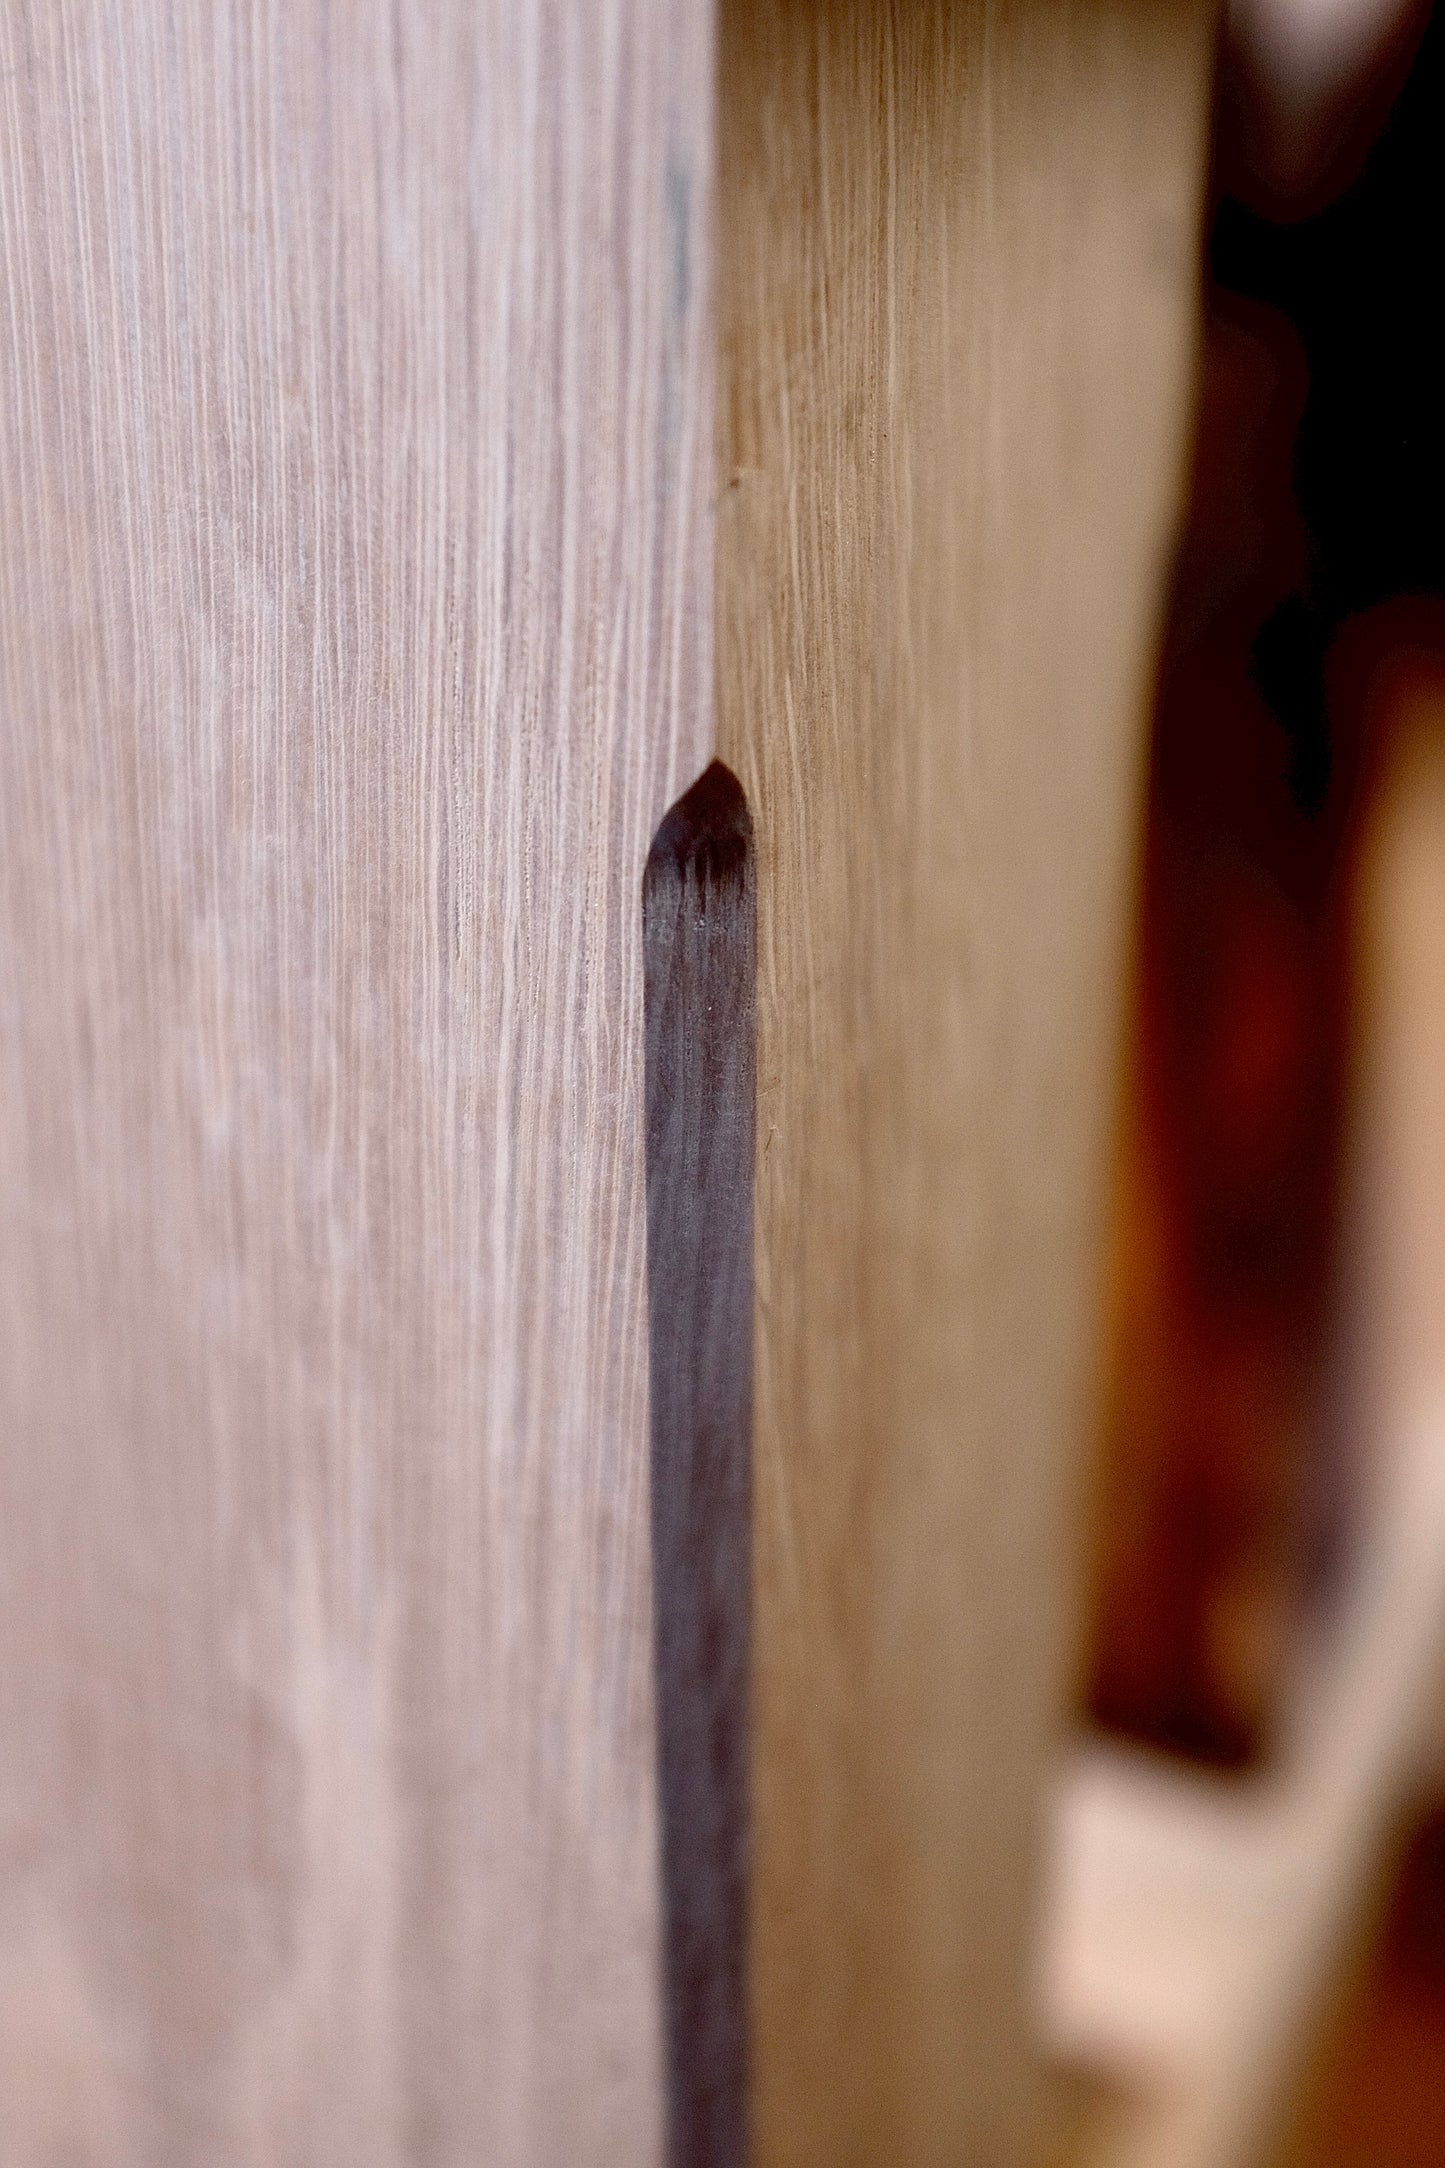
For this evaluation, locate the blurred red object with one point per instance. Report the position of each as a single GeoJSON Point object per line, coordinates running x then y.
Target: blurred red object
{"type": "Point", "coordinates": [1233, 1121]}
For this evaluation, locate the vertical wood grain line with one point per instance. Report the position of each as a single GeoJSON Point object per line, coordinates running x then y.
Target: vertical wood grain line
{"type": "Point", "coordinates": [699, 949]}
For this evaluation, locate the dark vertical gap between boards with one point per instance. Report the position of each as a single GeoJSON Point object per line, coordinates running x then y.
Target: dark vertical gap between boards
{"type": "Point", "coordinates": [699, 963]}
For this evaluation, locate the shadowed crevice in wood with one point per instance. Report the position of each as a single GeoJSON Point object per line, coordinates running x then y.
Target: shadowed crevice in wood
{"type": "Point", "coordinates": [699, 948]}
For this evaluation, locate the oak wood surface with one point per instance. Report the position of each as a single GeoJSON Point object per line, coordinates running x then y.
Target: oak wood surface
{"type": "Point", "coordinates": [957, 262]}
{"type": "Point", "coordinates": [355, 396]}
{"type": "Point", "coordinates": [354, 594]}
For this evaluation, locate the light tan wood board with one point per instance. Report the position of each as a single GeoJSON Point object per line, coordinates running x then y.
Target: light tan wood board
{"type": "Point", "coordinates": [958, 268]}
{"type": "Point", "coordinates": [355, 414]}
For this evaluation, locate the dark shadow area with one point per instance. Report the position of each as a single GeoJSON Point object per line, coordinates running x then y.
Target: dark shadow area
{"type": "Point", "coordinates": [1311, 559]}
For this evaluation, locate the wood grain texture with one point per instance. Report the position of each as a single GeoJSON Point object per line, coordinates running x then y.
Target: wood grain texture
{"type": "Point", "coordinates": [957, 277]}
{"type": "Point", "coordinates": [699, 978]}
{"type": "Point", "coordinates": [354, 591]}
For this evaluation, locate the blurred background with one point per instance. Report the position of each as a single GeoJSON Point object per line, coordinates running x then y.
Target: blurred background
{"type": "Point", "coordinates": [1251, 1841]}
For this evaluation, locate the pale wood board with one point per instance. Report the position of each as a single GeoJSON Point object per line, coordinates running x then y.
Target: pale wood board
{"type": "Point", "coordinates": [958, 274]}
{"type": "Point", "coordinates": [355, 421]}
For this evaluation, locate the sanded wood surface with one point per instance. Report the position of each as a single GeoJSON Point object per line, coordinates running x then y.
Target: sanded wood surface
{"type": "Point", "coordinates": [957, 274]}
{"type": "Point", "coordinates": [354, 412]}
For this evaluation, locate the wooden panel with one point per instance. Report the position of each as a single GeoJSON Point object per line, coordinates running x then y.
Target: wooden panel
{"type": "Point", "coordinates": [354, 594]}
{"type": "Point", "coordinates": [957, 278]}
